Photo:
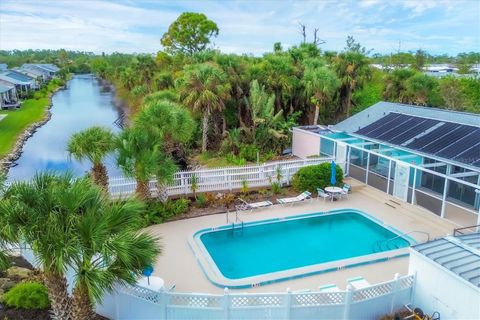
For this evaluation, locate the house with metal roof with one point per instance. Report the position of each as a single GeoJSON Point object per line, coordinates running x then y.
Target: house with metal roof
{"type": "Point", "coordinates": [21, 86]}
{"type": "Point", "coordinates": [8, 96]}
{"type": "Point", "coordinates": [47, 69]}
{"type": "Point", "coordinates": [448, 275]}
{"type": "Point", "coordinates": [425, 156]}
{"type": "Point", "coordinates": [22, 77]}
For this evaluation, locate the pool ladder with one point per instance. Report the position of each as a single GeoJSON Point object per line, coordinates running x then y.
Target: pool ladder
{"type": "Point", "coordinates": [237, 224]}
{"type": "Point", "coordinates": [378, 245]}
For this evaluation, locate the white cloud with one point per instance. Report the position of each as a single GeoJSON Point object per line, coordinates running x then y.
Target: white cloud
{"type": "Point", "coordinates": [245, 26]}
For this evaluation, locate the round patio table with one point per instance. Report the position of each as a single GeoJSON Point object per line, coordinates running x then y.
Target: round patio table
{"type": "Point", "coordinates": [156, 283]}
{"type": "Point", "coordinates": [333, 191]}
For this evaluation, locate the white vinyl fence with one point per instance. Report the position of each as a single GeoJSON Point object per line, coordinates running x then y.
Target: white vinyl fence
{"type": "Point", "coordinates": [222, 179]}
{"type": "Point", "coordinates": [133, 302]}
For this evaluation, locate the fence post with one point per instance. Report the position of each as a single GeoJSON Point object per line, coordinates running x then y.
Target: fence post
{"type": "Point", "coordinates": [226, 304]}
{"type": "Point", "coordinates": [395, 287]}
{"type": "Point", "coordinates": [348, 301]}
{"type": "Point", "coordinates": [164, 300]}
{"type": "Point", "coordinates": [288, 303]}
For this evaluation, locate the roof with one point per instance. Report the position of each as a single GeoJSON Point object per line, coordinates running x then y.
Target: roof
{"type": "Point", "coordinates": [18, 75]}
{"type": "Point", "coordinates": [445, 134]}
{"type": "Point", "coordinates": [3, 66]}
{"type": "Point", "coordinates": [30, 71]}
{"type": "Point", "coordinates": [44, 66]}
{"type": "Point", "coordinates": [13, 80]}
{"type": "Point", "coordinates": [459, 255]}
{"type": "Point", "coordinates": [5, 88]}
{"type": "Point", "coordinates": [443, 139]}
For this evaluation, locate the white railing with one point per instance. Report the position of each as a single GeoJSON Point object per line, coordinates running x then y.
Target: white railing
{"type": "Point", "coordinates": [222, 179]}
{"type": "Point", "coordinates": [133, 302]}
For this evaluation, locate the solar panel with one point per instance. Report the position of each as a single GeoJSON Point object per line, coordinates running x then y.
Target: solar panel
{"type": "Point", "coordinates": [401, 118]}
{"type": "Point", "coordinates": [471, 155]}
{"type": "Point", "coordinates": [460, 145]}
{"type": "Point", "coordinates": [381, 122]}
{"type": "Point", "coordinates": [432, 136]}
{"type": "Point", "coordinates": [448, 139]}
{"type": "Point", "coordinates": [414, 131]}
{"type": "Point", "coordinates": [401, 128]}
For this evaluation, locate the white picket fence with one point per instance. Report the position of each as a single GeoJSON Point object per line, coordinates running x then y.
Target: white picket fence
{"type": "Point", "coordinates": [222, 179]}
{"type": "Point", "coordinates": [133, 302]}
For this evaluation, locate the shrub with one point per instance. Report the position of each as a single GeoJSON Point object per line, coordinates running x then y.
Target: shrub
{"type": "Point", "coordinates": [312, 177]}
{"type": "Point", "coordinates": [276, 187]}
{"type": "Point", "coordinates": [210, 199]}
{"type": "Point", "coordinates": [158, 212]}
{"type": "Point", "coordinates": [27, 295]}
{"type": "Point", "coordinates": [248, 152]}
{"type": "Point", "coordinates": [201, 200]}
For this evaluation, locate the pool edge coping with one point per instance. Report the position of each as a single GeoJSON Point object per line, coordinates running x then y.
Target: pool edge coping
{"type": "Point", "coordinates": [204, 259]}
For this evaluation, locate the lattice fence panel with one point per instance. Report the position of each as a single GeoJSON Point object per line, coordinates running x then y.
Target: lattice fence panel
{"type": "Point", "coordinates": [372, 292]}
{"type": "Point", "coordinates": [198, 301]}
{"type": "Point", "coordinates": [313, 299]}
{"type": "Point", "coordinates": [143, 293]}
{"type": "Point", "coordinates": [254, 300]}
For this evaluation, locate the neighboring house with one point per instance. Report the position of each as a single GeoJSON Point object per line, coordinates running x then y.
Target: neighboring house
{"type": "Point", "coordinates": [49, 70]}
{"type": "Point", "coordinates": [8, 96]}
{"type": "Point", "coordinates": [36, 74]}
{"type": "Point", "coordinates": [3, 66]}
{"type": "Point", "coordinates": [20, 85]}
{"type": "Point", "coordinates": [440, 67]}
{"type": "Point", "coordinates": [448, 276]}
{"type": "Point", "coordinates": [22, 77]}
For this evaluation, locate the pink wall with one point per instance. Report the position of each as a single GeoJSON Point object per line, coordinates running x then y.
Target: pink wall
{"type": "Point", "coordinates": [305, 143]}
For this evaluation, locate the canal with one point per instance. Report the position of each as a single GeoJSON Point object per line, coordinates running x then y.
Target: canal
{"type": "Point", "coordinates": [84, 103]}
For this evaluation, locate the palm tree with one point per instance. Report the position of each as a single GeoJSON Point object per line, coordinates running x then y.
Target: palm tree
{"type": "Point", "coordinates": [170, 124]}
{"type": "Point", "coordinates": [141, 156]}
{"type": "Point", "coordinates": [94, 144]}
{"type": "Point", "coordinates": [111, 251]}
{"type": "Point", "coordinates": [70, 223]}
{"type": "Point", "coordinates": [204, 88]}
{"type": "Point", "coordinates": [39, 214]}
{"type": "Point", "coordinates": [353, 69]}
{"type": "Point", "coordinates": [320, 84]}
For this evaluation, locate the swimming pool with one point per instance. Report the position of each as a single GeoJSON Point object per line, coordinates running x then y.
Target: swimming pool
{"type": "Point", "coordinates": [284, 247]}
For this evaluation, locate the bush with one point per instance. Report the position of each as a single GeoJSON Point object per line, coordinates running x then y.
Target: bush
{"type": "Point", "coordinates": [201, 200]}
{"type": "Point", "coordinates": [312, 177]}
{"type": "Point", "coordinates": [158, 212]}
{"type": "Point", "coordinates": [27, 295]}
{"type": "Point", "coordinates": [248, 152]}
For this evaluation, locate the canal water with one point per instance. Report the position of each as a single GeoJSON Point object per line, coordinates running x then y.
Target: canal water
{"type": "Point", "coordinates": [84, 103]}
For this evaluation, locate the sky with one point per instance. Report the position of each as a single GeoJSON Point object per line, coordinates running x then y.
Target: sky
{"type": "Point", "coordinates": [251, 27]}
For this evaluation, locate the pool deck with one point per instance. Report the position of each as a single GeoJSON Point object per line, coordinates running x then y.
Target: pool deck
{"type": "Point", "coordinates": [177, 264]}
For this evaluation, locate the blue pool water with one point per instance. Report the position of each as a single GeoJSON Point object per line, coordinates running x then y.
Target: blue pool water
{"type": "Point", "coordinates": [293, 243]}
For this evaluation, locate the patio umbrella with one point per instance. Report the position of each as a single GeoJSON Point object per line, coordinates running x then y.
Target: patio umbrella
{"type": "Point", "coordinates": [333, 180]}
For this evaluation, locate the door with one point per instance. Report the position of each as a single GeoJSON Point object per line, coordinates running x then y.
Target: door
{"type": "Point", "coordinates": [401, 178]}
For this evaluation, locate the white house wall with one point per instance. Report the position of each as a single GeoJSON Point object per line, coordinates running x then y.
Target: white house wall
{"type": "Point", "coordinates": [305, 144]}
{"type": "Point", "coordinates": [438, 289]}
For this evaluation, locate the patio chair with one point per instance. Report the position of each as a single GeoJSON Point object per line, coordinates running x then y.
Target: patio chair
{"type": "Point", "coordinates": [245, 206]}
{"type": "Point", "coordinates": [322, 194]}
{"type": "Point", "coordinates": [345, 191]}
{"type": "Point", "coordinates": [329, 288]}
{"type": "Point", "coordinates": [359, 283]}
{"type": "Point", "coordinates": [301, 197]}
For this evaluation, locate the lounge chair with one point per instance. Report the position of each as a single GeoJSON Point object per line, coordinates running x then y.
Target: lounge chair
{"type": "Point", "coordinates": [245, 206]}
{"type": "Point", "coordinates": [358, 283]}
{"type": "Point", "coordinates": [322, 194]}
{"type": "Point", "coordinates": [301, 197]}
{"type": "Point", "coordinates": [329, 288]}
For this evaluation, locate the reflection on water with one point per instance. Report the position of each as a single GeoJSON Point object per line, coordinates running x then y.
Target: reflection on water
{"type": "Point", "coordinates": [83, 104]}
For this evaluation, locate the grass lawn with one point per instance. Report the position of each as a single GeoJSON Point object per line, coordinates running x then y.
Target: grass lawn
{"type": "Point", "coordinates": [17, 121]}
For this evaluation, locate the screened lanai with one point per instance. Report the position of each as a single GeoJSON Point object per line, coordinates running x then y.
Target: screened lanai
{"type": "Point", "coordinates": [425, 160]}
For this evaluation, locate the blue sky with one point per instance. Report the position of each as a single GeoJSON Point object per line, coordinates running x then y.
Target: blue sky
{"type": "Point", "coordinates": [441, 26]}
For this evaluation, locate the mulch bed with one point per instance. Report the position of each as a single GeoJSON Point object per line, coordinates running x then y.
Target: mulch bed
{"type": "Point", "coordinates": [253, 196]}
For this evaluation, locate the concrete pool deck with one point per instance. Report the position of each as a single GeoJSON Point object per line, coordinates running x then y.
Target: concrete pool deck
{"type": "Point", "coordinates": [177, 264]}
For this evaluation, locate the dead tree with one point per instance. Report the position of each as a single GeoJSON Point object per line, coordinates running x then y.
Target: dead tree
{"type": "Point", "coordinates": [317, 41]}
{"type": "Point", "coordinates": [303, 32]}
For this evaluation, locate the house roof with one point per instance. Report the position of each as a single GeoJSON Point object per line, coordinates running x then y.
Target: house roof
{"type": "Point", "coordinates": [18, 75]}
{"type": "Point", "coordinates": [31, 71]}
{"type": "Point", "coordinates": [460, 255]}
{"type": "Point", "coordinates": [5, 88]}
{"type": "Point", "coordinates": [3, 66]}
{"type": "Point", "coordinates": [44, 66]}
{"type": "Point", "coordinates": [444, 139]}
{"type": "Point", "coordinates": [447, 128]}
{"type": "Point", "coordinates": [13, 80]}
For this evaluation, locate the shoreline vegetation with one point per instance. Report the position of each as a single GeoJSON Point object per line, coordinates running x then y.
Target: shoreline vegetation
{"type": "Point", "coordinates": [19, 125]}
